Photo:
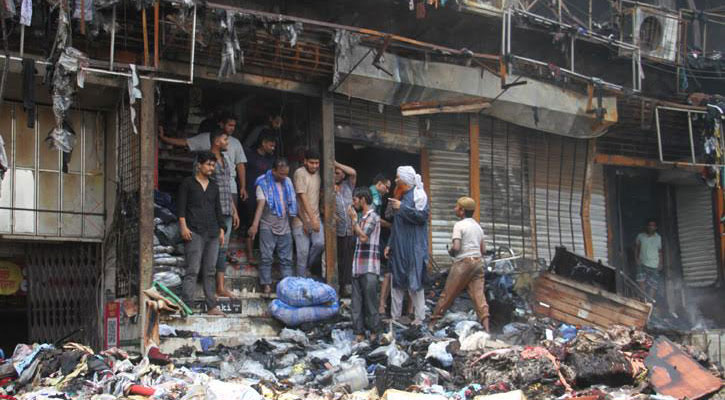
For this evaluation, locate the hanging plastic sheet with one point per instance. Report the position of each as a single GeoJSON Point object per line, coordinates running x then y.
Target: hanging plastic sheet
{"type": "Point", "coordinates": [133, 93]}
{"type": "Point", "coordinates": [83, 8]}
{"type": "Point", "coordinates": [26, 12]}
{"type": "Point", "coordinates": [232, 54]}
{"type": "Point", "coordinates": [289, 31]}
{"type": "Point", "coordinates": [4, 165]}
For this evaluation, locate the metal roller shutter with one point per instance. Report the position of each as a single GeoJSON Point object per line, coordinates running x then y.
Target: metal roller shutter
{"type": "Point", "coordinates": [504, 187]}
{"type": "Point", "coordinates": [697, 235]}
{"type": "Point", "coordinates": [558, 167]}
{"type": "Point", "coordinates": [598, 215]}
{"type": "Point", "coordinates": [448, 180]}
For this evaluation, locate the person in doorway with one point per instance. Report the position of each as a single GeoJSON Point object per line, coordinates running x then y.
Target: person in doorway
{"type": "Point", "coordinates": [259, 161]}
{"type": "Point", "coordinates": [276, 204]}
{"type": "Point", "coordinates": [365, 264]}
{"type": "Point", "coordinates": [223, 179]}
{"type": "Point", "coordinates": [407, 249]}
{"type": "Point", "coordinates": [648, 255]}
{"type": "Point", "coordinates": [201, 225]}
{"type": "Point", "coordinates": [467, 249]}
{"type": "Point", "coordinates": [274, 124]}
{"type": "Point", "coordinates": [345, 179]}
{"type": "Point", "coordinates": [228, 123]}
{"type": "Point", "coordinates": [306, 227]}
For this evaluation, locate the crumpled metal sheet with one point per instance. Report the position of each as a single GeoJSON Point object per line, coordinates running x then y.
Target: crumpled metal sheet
{"type": "Point", "coordinates": [345, 41]}
{"type": "Point", "coordinates": [674, 373]}
{"type": "Point", "coordinates": [232, 54]}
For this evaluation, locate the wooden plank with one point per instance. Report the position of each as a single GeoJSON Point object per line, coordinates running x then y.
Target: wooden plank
{"type": "Point", "coordinates": [425, 174]}
{"type": "Point", "coordinates": [328, 184]}
{"type": "Point", "coordinates": [156, 34]}
{"type": "Point", "coordinates": [146, 191]}
{"type": "Point", "coordinates": [597, 291]}
{"type": "Point", "coordinates": [625, 161]}
{"type": "Point", "coordinates": [443, 109]}
{"type": "Point", "coordinates": [595, 313]}
{"type": "Point", "coordinates": [474, 171]}
{"type": "Point", "coordinates": [587, 297]}
{"type": "Point", "coordinates": [560, 316]}
{"type": "Point", "coordinates": [546, 294]}
{"type": "Point", "coordinates": [587, 200]}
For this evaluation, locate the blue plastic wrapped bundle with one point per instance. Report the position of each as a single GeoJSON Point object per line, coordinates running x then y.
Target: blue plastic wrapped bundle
{"type": "Point", "coordinates": [294, 316]}
{"type": "Point", "coordinates": [304, 292]}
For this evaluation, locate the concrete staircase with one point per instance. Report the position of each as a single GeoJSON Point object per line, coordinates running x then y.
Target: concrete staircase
{"type": "Point", "coordinates": [247, 319]}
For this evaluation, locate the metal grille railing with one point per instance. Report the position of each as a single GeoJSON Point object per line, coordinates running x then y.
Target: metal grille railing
{"type": "Point", "coordinates": [64, 280]}
{"type": "Point", "coordinates": [127, 207]}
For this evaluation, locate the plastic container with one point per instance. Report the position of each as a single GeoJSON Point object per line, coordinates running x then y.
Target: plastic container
{"type": "Point", "coordinates": [393, 377]}
{"type": "Point", "coordinates": [354, 376]}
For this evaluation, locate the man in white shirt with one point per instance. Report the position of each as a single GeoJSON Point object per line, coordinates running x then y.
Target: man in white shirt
{"type": "Point", "coordinates": [648, 255]}
{"type": "Point", "coordinates": [235, 152]}
{"type": "Point", "coordinates": [467, 272]}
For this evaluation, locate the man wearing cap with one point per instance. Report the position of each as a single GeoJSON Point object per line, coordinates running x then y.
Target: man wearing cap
{"type": "Point", "coordinates": [407, 248]}
{"type": "Point", "coordinates": [467, 271]}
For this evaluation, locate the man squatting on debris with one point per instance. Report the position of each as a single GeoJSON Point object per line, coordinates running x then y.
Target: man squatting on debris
{"type": "Point", "coordinates": [201, 225]}
{"type": "Point", "coordinates": [365, 264]}
{"type": "Point", "coordinates": [468, 247]}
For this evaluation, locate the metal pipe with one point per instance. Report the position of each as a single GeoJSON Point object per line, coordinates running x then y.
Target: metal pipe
{"type": "Point", "coordinates": [611, 86]}
{"type": "Point", "coordinates": [52, 211]}
{"type": "Point", "coordinates": [572, 52]}
{"type": "Point", "coordinates": [193, 47]}
{"type": "Point", "coordinates": [659, 134]}
{"type": "Point", "coordinates": [590, 16]}
{"type": "Point", "coordinates": [22, 40]}
{"type": "Point", "coordinates": [692, 142]}
{"type": "Point", "coordinates": [113, 38]}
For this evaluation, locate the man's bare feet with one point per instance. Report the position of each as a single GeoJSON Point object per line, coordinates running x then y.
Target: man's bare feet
{"type": "Point", "coordinates": [223, 292]}
{"type": "Point", "coordinates": [267, 289]}
{"type": "Point", "coordinates": [216, 311]}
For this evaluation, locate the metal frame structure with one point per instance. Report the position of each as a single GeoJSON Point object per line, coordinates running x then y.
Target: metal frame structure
{"type": "Point", "coordinates": [689, 129]}
{"type": "Point", "coordinates": [506, 52]}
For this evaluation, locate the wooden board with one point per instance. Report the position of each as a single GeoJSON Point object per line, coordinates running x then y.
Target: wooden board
{"type": "Point", "coordinates": [579, 304]}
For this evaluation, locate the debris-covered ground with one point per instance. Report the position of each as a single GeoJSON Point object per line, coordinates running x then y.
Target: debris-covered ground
{"type": "Point", "coordinates": [456, 360]}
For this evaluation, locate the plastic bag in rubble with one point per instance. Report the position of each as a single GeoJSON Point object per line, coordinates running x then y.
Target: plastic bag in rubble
{"type": "Point", "coordinates": [168, 279]}
{"type": "Point", "coordinates": [395, 356]}
{"type": "Point", "coordinates": [294, 316]}
{"type": "Point", "coordinates": [294, 335]}
{"type": "Point", "coordinates": [465, 328]}
{"type": "Point", "coordinates": [218, 390]}
{"type": "Point", "coordinates": [475, 341]}
{"type": "Point", "coordinates": [304, 292]}
{"type": "Point", "coordinates": [287, 360]}
{"type": "Point", "coordinates": [332, 354]}
{"type": "Point", "coordinates": [168, 234]}
{"type": "Point", "coordinates": [438, 352]}
{"type": "Point", "coordinates": [255, 369]}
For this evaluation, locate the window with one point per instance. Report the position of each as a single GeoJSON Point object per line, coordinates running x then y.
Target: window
{"type": "Point", "coordinates": [36, 197]}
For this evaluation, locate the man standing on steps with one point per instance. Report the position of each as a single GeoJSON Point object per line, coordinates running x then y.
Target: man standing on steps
{"type": "Point", "coordinates": [468, 247]}
{"type": "Point", "coordinates": [307, 228]}
{"type": "Point", "coordinates": [223, 179]}
{"type": "Point", "coordinates": [201, 225]}
{"type": "Point", "coordinates": [200, 142]}
{"type": "Point", "coordinates": [276, 204]}
{"type": "Point", "coordinates": [345, 179]}
{"type": "Point", "coordinates": [648, 254]}
{"type": "Point", "coordinates": [260, 160]}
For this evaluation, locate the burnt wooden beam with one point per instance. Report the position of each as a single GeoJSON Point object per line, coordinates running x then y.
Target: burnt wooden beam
{"type": "Point", "coordinates": [474, 170]}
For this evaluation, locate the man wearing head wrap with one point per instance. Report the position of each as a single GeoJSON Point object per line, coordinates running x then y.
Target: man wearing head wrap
{"type": "Point", "coordinates": [407, 249]}
{"type": "Point", "coordinates": [466, 272]}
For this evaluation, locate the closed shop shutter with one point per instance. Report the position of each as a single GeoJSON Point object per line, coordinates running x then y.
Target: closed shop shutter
{"type": "Point", "coordinates": [449, 180]}
{"type": "Point", "coordinates": [598, 215]}
{"type": "Point", "coordinates": [505, 208]}
{"type": "Point", "coordinates": [697, 235]}
{"type": "Point", "coordinates": [558, 168]}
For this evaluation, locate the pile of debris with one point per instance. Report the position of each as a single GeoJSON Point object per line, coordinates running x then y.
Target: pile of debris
{"type": "Point", "coordinates": [454, 360]}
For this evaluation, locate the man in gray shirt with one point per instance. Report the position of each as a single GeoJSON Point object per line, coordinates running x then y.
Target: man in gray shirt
{"type": "Point", "coordinates": [276, 204]}
{"type": "Point", "coordinates": [235, 152]}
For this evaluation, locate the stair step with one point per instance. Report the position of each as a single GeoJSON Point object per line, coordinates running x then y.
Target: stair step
{"type": "Point", "coordinates": [229, 331]}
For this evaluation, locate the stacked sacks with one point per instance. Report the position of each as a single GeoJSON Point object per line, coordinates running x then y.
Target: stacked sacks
{"type": "Point", "coordinates": [301, 300]}
{"type": "Point", "coordinates": [169, 261]}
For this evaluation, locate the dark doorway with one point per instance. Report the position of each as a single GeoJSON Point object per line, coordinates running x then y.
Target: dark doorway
{"type": "Point", "coordinates": [370, 161]}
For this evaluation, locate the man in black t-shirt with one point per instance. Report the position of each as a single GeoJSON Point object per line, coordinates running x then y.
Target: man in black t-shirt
{"type": "Point", "coordinates": [201, 225]}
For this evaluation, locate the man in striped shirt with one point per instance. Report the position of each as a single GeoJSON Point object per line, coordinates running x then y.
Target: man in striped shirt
{"type": "Point", "coordinates": [365, 264]}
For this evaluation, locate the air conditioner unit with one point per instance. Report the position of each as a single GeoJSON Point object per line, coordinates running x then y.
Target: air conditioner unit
{"type": "Point", "coordinates": [655, 32]}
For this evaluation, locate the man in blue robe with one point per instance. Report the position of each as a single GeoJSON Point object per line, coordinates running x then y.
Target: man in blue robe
{"type": "Point", "coordinates": [407, 249]}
